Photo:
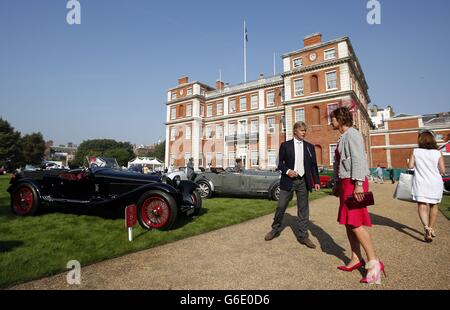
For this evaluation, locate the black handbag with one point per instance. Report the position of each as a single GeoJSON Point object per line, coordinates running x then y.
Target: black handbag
{"type": "Point", "coordinates": [368, 200]}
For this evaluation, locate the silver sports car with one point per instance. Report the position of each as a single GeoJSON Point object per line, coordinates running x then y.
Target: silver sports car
{"type": "Point", "coordinates": [261, 183]}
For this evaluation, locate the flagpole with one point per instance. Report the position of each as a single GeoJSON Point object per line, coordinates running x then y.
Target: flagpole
{"type": "Point", "coordinates": [245, 53]}
{"type": "Point", "coordinates": [274, 68]}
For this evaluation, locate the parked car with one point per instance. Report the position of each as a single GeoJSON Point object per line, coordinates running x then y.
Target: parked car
{"type": "Point", "coordinates": [262, 183]}
{"type": "Point", "coordinates": [326, 181]}
{"type": "Point", "coordinates": [159, 201]}
{"type": "Point", "coordinates": [446, 180]}
{"type": "Point", "coordinates": [180, 174]}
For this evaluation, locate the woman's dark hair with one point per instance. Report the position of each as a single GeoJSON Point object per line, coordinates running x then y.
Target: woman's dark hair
{"type": "Point", "coordinates": [343, 116]}
{"type": "Point", "coordinates": [426, 141]}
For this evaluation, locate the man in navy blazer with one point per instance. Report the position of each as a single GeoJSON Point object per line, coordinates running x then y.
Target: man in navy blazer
{"type": "Point", "coordinates": [299, 173]}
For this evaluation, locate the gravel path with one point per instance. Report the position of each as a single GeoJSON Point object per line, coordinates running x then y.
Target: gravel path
{"type": "Point", "coordinates": [237, 257]}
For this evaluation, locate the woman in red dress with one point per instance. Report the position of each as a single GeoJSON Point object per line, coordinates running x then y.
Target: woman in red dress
{"type": "Point", "coordinates": [351, 171]}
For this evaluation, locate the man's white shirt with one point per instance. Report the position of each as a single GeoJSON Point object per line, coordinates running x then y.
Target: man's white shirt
{"type": "Point", "coordinates": [299, 165]}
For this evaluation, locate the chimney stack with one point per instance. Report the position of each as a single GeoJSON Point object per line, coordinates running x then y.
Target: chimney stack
{"type": "Point", "coordinates": [183, 80]}
{"type": "Point", "coordinates": [312, 39]}
{"type": "Point", "coordinates": [219, 84]}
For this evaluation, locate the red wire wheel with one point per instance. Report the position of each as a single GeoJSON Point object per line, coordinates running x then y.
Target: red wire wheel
{"type": "Point", "coordinates": [157, 210]}
{"type": "Point", "coordinates": [24, 200]}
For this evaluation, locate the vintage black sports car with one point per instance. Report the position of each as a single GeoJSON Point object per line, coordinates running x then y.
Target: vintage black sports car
{"type": "Point", "coordinates": [229, 182]}
{"type": "Point", "coordinates": [158, 199]}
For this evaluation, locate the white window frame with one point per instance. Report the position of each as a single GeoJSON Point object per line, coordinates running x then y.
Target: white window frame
{"type": "Point", "coordinates": [209, 110]}
{"type": "Point", "coordinates": [326, 79]}
{"type": "Point", "coordinates": [231, 159]}
{"type": "Point", "coordinates": [201, 132]}
{"type": "Point", "coordinates": [301, 91]}
{"type": "Point", "coordinates": [173, 113]}
{"type": "Point", "coordinates": [173, 95]}
{"type": "Point", "coordinates": [328, 50]}
{"type": "Point", "coordinates": [272, 153]}
{"type": "Point", "coordinates": [231, 105]}
{"type": "Point", "coordinates": [208, 132]}
{"type": "Point", "coordinates": [254, 103]}
{"type": "Point", "coordinates": [331, 149]}
{"type": "Point", "coordinates": [283, 123]}
{"type": "Point", "coordinates": [188, 131]}
{"type": "Point", "coordinates": [271, 129]}
{"type": "Point", "coordinates": [295, 115]}
{"type": "Point", "coordinates": [232, 125]}
{"type": "Point", "coordinates": [171, 159]}
{"type": "Point", "coordinates": [268, 103]}
{"type": "Point", "coordinates": [202, 110]}
{"type": "Point", "coordinates": [189, 110]}
{"type": "Point", "coordinates": [219, 131]}
{"type": "Point", "coordinates": [239, 131]}
{"type": "Point", "coordinates": [202, 92]}
{"type": "Point", "coordinates": [219, 111]}
{"type": "Point", "coordinates": [293, 62]}
{"type": "Point", "coordinates": [219, 159]}
{"type": "Point", "coordinates": [241, 100]}
{"type": "Point", "coordinates": [254, 129]}
{"type": "Point", "coordinates": [189, 91]}
{"type": "Point", "coordinates": [328, 111]}
{"type": "Point", "coordinates": [173, 133]}
{"type": "Point", "coordinates": [254, 155]}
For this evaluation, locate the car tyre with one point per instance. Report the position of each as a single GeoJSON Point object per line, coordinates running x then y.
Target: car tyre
{"type": "Point", "coordinates": [156, 210]}
{"type": "Point", "coordinates": [197, 202]}
{"type": "Point", "coordinates": [204, 189]}
{"type": "Point", "coordinates": [276, 192]}
{"type": "Point", "coordinates": [24, 200]}
{"type": "Point", "coordinates": [330, 184]}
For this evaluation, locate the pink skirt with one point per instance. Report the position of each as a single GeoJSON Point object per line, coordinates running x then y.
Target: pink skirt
{"type": "Point", "coordinates": [352, 217]}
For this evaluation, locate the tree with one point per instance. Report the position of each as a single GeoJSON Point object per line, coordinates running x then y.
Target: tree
{"type": "Point", "coordinates": [33, 148]}
{"type": "Point", "coordinates": [122, 151]}
{"type": "Point", "coordinates": [10, 148]}
{"type": "Point", "coordinates": [160, 150]}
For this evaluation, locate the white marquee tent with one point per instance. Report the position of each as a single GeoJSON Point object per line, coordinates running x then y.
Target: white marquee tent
{"type": "Point", "coordinates": [153, 162]}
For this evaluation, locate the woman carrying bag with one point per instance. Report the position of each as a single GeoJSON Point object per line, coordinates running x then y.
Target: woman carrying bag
{"type": "Point", "coordinates": [351, 171]}
{"type": "Point", "coordinates": [427, 184]}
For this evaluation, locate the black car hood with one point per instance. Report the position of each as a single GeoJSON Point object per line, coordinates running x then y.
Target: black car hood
{"type": "Point", "coordinates": [124, 175]}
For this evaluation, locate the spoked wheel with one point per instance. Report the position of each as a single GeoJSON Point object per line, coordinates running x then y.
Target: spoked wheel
{"type": "Point", "coordinates": [157, 210]}
{"type": "Point", "coordinates": [204, 189]}
{"type": "Point", "coordinates": [24, 200]}
{"type": "Point", "coordinates": [276, 193]}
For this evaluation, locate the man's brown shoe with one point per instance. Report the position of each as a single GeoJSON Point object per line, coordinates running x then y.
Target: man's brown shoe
{"type": "Point", "coordinates": [308, 243]}
{"type": "Point", "coordinates": [270, 235]}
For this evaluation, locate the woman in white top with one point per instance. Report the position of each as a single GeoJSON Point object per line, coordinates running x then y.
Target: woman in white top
{"type": "Point", "coordinates": [428, 186]}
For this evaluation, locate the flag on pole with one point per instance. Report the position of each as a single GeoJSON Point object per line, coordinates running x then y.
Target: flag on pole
{"type": "Point", "coordinates": [245, 52]}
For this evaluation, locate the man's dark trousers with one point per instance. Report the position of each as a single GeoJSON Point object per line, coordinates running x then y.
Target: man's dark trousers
{"type": "Point", "coordinates": [299, 186]}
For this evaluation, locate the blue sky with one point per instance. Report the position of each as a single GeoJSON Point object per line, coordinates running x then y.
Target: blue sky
{"type": "Point", "coordinates": [108, 77]}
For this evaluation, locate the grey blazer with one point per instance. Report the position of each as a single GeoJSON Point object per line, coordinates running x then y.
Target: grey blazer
{"type": "Point", "coordinates": [353, 162]}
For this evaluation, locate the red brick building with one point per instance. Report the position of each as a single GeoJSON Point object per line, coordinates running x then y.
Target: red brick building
{"type": "Point", "coordinates": [216, 125]}
{"type": "Point", "coordinates": [393, 144]}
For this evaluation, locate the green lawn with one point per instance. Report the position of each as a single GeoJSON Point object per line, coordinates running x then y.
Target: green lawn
{"type": "Point", "coordinates": [38, 246]}
{"type": "Point", "coordinates": [444, 206]}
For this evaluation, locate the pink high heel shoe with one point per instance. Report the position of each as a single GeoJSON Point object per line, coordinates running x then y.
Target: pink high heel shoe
{"type": "Point", "coordinates": [350, 269]}
{"type": "Point", "coordinates": [374, 268]}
